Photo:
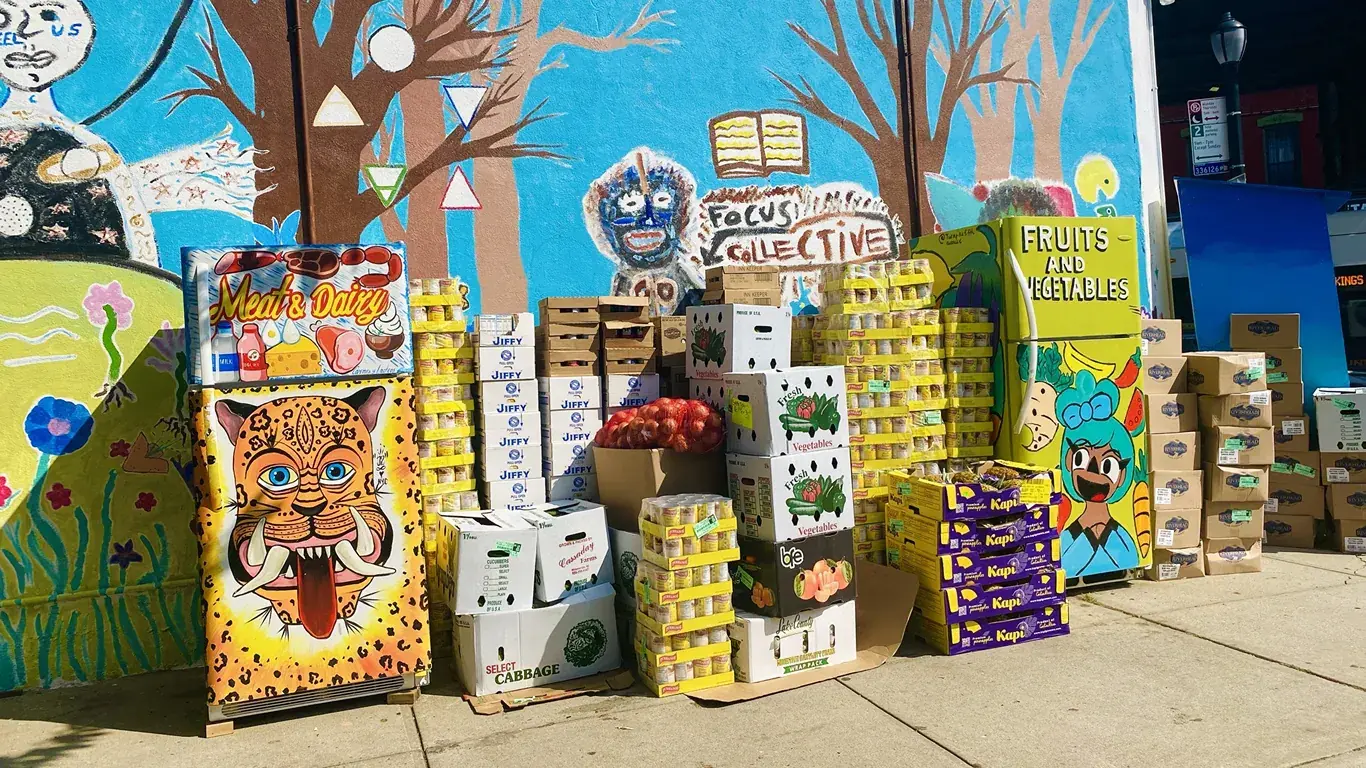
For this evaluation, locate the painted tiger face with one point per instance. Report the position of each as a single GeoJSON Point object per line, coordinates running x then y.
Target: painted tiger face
{"type": "Point", "coordinates": [309, 534]}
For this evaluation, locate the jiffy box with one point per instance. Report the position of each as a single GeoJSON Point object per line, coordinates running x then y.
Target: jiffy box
{"type": "Point", "coordinates": [568, 458]}
{"type": "Point", "coordinates": [797, 410]}
{"type": "Point", "coordinates": [1249, 409]}
{"type": "Point", "coordinates": [1184, 563]}
{"type": "Point", "coordinates": [626, 476]}
{"type": "Point", "coordinates": [510, 463]}
{"type": "Point", "coordinates": [506, 363]}
{"type": "Point", "coordinates": [1227, 556]}
{"type": "Point", "coordinates": [1338, 414]}
{"type": "Point", "coordinates": [1176, 528]}
{"type": "Point", "coordinates": [1294, 531]}
{"type": "Point", "coordinates": [1234, 519]}
{"type": "Point", "coordinates": [498, 652]}
{"type": "Point", "coordinates": [572, 426]}
{"type": "Point", "coordinates": [515, 330]}
{"type": "Point", "coordinates": [492, 559]}
{"type": "Point", "coordinates": [570, 393]}
{"type": "Point", "coordinates": [509, 430]}
{"type": "Point", "coordinates": [1342, 468]}
{"type": "Point", "coordinates": [628, 391]}
{"type": "Point", "coordinates": [507, 397]}
{"type": "Point", "coordinates": [1225, 373]}
{"type": "Point", "coordinates": [1236, 483]}
{"type": "Point", "coordinates": [1177, 490]}
{"type": "Point", "coordinates": [514, 494]}
{"type": "Point", "coordinates": [1171, 413]}
{"type": "Point", "coordinates": [1238, 446]}
{"type": "Point", "coordinates": [1178, 451]}
{"type": "Point", "coordinates": [788, 497]}
{"type": "Point", "coordinates": [1164, 375]}
{"type": "Point", "coordinates": [565, 487]}
{"type": "Point", "coordinates": [572, 551]}
{"type": "Point", "coordinates": [766, 648]}
{"type": "Point", "coordinates": [730, 338]}
{"type": "Point", "coordinates": [784, 578]}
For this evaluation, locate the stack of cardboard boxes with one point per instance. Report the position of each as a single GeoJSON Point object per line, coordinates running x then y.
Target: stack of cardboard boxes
{"type": "Point", "coordinates": [735, 338]}
{"type": "Point", "coordinates": [1342, 439]}
{"type": "Point", "coordinates": [570, 395]}
{"type": "Point", "coordinates": [671, 346]}
{"type": "Point", "coordinates": [568, 336]}
{"type": "Point", "coordinates": [787, 465]}
{"type": "Point", "coordinates": [630, 360]}
{"type": "Point", "coordinates": [509, 418]}
{"type": "Point", "coordinates": [758, 286]}
{"type": "Point", "coordinates": [1296, 503]}
{"type": "Point", "coordinates": [1177, 482]}
{"type": "Point", "coordinates": [1237, 450]}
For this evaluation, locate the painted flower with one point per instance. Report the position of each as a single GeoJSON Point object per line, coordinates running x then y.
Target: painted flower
{"type": "Point", "coordinates": [5, 491]}
{"type": "Point", "coordinates": [119, 448]}
{"type": "Point", "coordinates": [58, 427]}
{"type": "Point", "coordinates": [146, 501]}
{"type": "Point", "coordinates": [111, 295]}
{"type": "Point", "coordinates": [59, 496]}
{"type": "Point", "coordinates": [168, 343]}
{"type": "Point", "coordinates": [124, 555]}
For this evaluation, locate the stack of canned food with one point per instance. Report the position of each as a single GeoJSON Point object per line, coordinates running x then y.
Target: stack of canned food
{"type": "Point", "coordinates": [878, 285]}
{"type": "Point", "coordinates": [803, 351]}
{"type": "Point", "coordinates": [683, 592]}
{"type": "Point", "coordinates": [445, 402]}
{"type": "Point", "coordinates": [969, 336]}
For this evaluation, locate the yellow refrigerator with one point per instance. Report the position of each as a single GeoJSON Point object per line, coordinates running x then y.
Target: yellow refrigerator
{"type": "Point", "coordinates": [1064, 295]}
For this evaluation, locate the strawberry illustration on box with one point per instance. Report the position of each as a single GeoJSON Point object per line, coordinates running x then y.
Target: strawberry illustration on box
{"type": "Point", "coordinates": [790, 497]}
{"type": "Point", "coordinates": [797, 410]}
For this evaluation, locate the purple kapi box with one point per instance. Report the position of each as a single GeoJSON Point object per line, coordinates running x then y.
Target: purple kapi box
{"type": "Point", "coordinates": [997, 631]}
{"type": "Point", "coordinates": [982, 569]}
{"type": "Point", "coordinates": [958, 604]}
{"type": "Point", "coordinates": [946, 538]}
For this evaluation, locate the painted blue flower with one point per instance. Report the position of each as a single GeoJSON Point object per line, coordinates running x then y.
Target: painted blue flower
{"type": "Point", "coordinates": [124, 555]}
{"type": "Point", "coordinates": [58, 427]}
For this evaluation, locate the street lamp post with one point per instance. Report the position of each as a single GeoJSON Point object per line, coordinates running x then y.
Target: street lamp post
{"type": "Point", "coordinates": [1229, 41]}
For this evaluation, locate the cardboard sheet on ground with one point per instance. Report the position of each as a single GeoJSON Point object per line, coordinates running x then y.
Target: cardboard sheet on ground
{"type": "Point", "coordinates": [882, 609]}
{"type": "Point", "coordinates": [497, 703]}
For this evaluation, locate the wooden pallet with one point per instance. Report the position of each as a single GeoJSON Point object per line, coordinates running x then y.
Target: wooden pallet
{"type": "Point", "coordinates": [408, 697]}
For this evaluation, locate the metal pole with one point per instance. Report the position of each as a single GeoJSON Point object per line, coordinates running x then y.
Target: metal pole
{"type": "Point", "coordinates": [1237, 169]}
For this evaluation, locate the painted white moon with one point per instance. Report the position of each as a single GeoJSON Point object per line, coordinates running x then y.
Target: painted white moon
{"type": "Point", "coordinates": [16, 216]}
{"type": "Point", "coordinates": [80, 163]}
{"type": "Point", "coordinates": [391, 48]}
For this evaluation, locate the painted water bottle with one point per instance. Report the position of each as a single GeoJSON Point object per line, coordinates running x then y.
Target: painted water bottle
{"type": "Point", "coordinates": [225, 367]}
{"type": "Point", "coordinates": [251, 353]}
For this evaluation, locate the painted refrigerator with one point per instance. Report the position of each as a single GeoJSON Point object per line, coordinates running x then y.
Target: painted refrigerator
{"type": "Point", "coordinates": [1064, 294]}
{"type": "Point", "coordinates": [306, 479]}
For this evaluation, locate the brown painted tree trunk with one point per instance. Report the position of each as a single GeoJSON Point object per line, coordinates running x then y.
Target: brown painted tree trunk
{"type": "Point", "coordinates": [424, 128]}
{"type": "Point", "coordinates": [274, 134]}
{"type": "Point", "coordinates": [893, 187]}
{"type": "Point", "coordinates": [993, 135]}
{"type": "Point", "coordinates": [497, 237]}
{"type": "Point", "coordinates": [1048, 135]}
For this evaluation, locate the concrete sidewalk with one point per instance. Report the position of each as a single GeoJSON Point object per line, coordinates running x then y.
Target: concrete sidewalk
{"type": "Point", "coordinates": [1251, 670]}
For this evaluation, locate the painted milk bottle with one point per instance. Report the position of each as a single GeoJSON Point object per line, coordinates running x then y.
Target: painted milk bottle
{"type": "Point", "coordinates": [251, 353]}
{"type": "Point", "coordinates": [225, 366]}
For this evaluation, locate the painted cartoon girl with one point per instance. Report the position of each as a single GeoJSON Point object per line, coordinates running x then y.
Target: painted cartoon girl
{"type": "Point", "coordinates": [1097, 471]}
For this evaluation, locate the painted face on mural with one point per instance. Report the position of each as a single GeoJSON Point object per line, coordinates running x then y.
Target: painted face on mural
{"type": "Point", "coordinates": [641, 220]}
{"type": "Point", "coordinates": [42, 41]}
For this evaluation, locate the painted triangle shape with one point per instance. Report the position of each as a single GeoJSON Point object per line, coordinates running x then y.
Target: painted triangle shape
{"type": "Point", "coordinates": [465, 99]}
{"type": "Point", "coordinates": [336, 111]}
{"type": "Point", "coordinates": [459, 194]}
{"type": "Point", "coordinates": [386, 180]}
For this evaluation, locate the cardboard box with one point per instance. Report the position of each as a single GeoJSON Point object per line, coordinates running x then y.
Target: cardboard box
{"type": "Point", "coordinates": [1164, 375]}
{"type": "Point", "coordinates": [713, 392]}
{"type": "Point", "coordinates": [1347, 502]}
{"type": "Point", "coordinates": [671, 340]}
{"type": "Point", "coordinates": [630, 391]}
{"type": "Point", "coordinates": [1285, 366]}
{"type": "Point", "coordinates": [503, 464]}
{"type": "Point", "coordinates": [508, 397]}
{"type": "Point", "coordinates": [1294, 531]}
{"type": "Point", "coordinates": [1160, 338]}
{"type": "Point", "coordinates": [1229, 556]}
{"type": "Point", "coordinates": [1342, 467]}
{"type": "Point", "coordinates": [626, 362]}
{"type": "Point", "coordinates": [513, 494]}
{"type": "Point", "coordinates": [741, 276]}
{"type": "Point", "coordinates": [1233, 520]}
{"type": "Point", "coordinates": [1241, 484]}
{"type": "Point", "coordinates": [778, 498]}
{"type": "Point", "coordinates": [932, 537]}
{"type": "Point", "coordinates": [1177, 490]}
{"type": "Point", "coordinates": [755, 297]}
{"type": "Point", "coordinates": [1338, 415]}
{"type": "Point", "coordinates": [570, 393]}
{"type": "Point", "coordinates": [1177, 451]}
{"type": "Point", "coordinates": [998, 631]}
{"type": "Point", "coordinates": [673, 382]}
{"type": "Point", "coordinates": [630, 335]}
{"type": "Point", "coordinates": [1294, 494]}
{"type": "Point", "coordinates": [734, 338]}
{"type": "Point", "coordinates": [1225, 373]}
{"type": "Point", "coordinates": [1250, 409]}
{"type": "Point", "coordinates": [1295, 469]}
{"type": "Point", "coordinates": [980, 568]}
{"type": "Point", "coordinates": [574, 638]}
{"type": "Point", "coordinates": [553, 363]}
{"type": "Point", "coordinates": [572, 426]}
{"type": "Point", "coordinates": [1171, 413]}
{"type": "Point", "coordinates": [1349, 536]}
{"type": "Point", "coordinates": [626, 476]}
{"type": "Point", "coordinates": [565, 487]}
{"type": "Point", "coordinates": [1291, 433]}
{"type": "Point", "coordinates": [505, 363]}
{"type": "Point", "coordinates": [572, 550]}
{"type": "Point", "coordinates": [1263, 332]}
{"type": "Point", "coordinates": [575, 310]}
{"type": "Point", "coordinates": [491, 559]}
{"type": "Point", "coordinates": [1238, 446]}
{"type": "Point", "coordinates": [631, 309]}
{"type": "Point", "coordinates": [514, 330]}
{"type": "Point", "coordinates": [626, 546]}
{"type": "Point", "coordinates": [1287, 399]}
{"type": "Point", "coordinates": [563, 336]}
{"type": "Point", "coordinates": [974, 603]}
{"type": "Point", "coordinates": [1172, 564]}
{"type": "Point", "coordinates": [1176, 528]}
{"type": "Point", "coordinates": [785, 578]}
{"type": "Point", "coordinates": [567, 458]}
{"type": "Point", "coordinates": [765, 648]}
{"type": "Point", "coordinates": [797, 410]}
{"type": "Point", "coordinates": [508, 430]}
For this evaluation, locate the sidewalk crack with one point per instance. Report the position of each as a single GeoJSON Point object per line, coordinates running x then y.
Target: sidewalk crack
{"type": "Point", "coordinates": [920, 731]}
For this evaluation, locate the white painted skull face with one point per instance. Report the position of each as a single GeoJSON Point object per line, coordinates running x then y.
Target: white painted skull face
{"type": "Point", "coordinates": [42, 41]}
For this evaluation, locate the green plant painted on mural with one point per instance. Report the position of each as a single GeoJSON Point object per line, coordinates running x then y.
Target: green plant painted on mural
{"type": "Point", "coordinates": [107, 308]}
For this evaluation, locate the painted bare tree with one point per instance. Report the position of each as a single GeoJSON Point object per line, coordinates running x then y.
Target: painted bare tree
{"type": "Point", "coordinates": [991, 116]}
{"type": "Point", "coordinates": [1055, 78]}
{"type": "Point", "coordinates": [885, 143]}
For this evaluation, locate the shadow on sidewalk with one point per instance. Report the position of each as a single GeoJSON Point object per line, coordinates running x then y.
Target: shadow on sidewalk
{"type": "Point", "coordinates": [73, 739]}
{"type": "Point", "coordinates": [168, 703]}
